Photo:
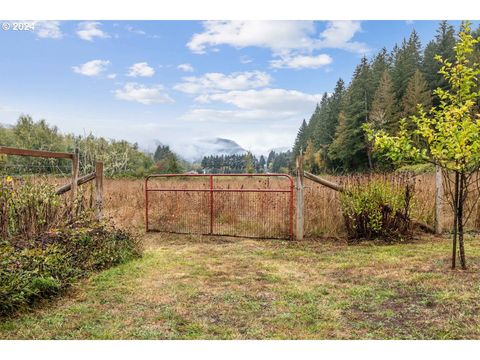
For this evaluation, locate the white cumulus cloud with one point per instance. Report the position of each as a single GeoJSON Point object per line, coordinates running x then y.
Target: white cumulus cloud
{"type": "Point", "coordinates": [92, 68]}
{"type": "Point", "coordinates": [143, 94]}
{"type": "Point", "coordinates": [215, 82]}
{"type": "Point", "coordinates": [233, 116]}
{"type": "Point", "coordinates": [281, 37]}
{"type": "Point", "coordinates": [185, 67]}
{"type": "Point", "coordinates": [133, 30]}
{"type": "Point", "coordinates": [141, 69]}
{"type": "Point", "coordinates": [291, 101]}
{"type": "Point", "coordinates": [48, 29]}
{"type": "Point", "coordinates": [301, 61]}
{"type": "Point", "coordinates": [245, 59]}
{"type": "Point", "coordinates": [339, 35]}
{"type": "Point", "coordinates": [89, 30]}
{"type": "Point", "coordinates": [276, 35]}
{"type": "Point", "coordinates": [274, 108]}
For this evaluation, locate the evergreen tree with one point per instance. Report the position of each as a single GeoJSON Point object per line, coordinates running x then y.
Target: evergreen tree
{"type": "Point", "coordinates": [312, 159]}
{"type": "Point", "coordinates": [447, 135]}
{"type": "Point", "coordinates": [261, 164]}
{"type": "Point", "coordinates": [230, 164]}
{"type": "Point", "coordinates": [407, 60]}
{"type": "Point", "coordinates": [335, 156]}
{"type": "Point", "coordinates": [162, 152]}
{"type": "Point", "coordinates": [301, 140]}
{"type": "Point", "coordinates": [381, 62]}
{"type": "Point", "coordinates": [169, 164]}
{"type": "Point", "coordinates": [327, 114]}
{"type": "Point", "coordinates": [249, 163]}
{"type": "Point", "coordinates": [349, 149]}
{"type": "Point", "coordinates": [383, 114]}
{"type": "Point", "coordinates": [173, 165]}
{"type": "Point", "coordinates": [381, 93]}
{"type": "Point", "coordinates": [318, 122]}
{"type": "Point", "coordinates": [282, 162]}
{"type": "Point", "coordinates": [417, 93]}
{"type": "Point", "coordinates": [314, 119]}
{"type": "Point", "coordinates": [271, 157]}
{"type": "Point", "coordinates": [324, 135]}
{"type": "Point", "coordinates": [442, 45]}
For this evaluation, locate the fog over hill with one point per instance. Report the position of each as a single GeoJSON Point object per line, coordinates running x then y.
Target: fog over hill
{"type": "Point", "coordinates": [196, 150]}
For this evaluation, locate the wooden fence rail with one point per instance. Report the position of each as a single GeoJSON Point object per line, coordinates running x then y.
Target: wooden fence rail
{"type": "Point", "coordinates": [336, 187]}
{"type": "Point", "coordinates": [35, 153]}
{"type": "Point", "coordinates": [76, 180]}
{"type": "Point", "coordinates": [80, 181]}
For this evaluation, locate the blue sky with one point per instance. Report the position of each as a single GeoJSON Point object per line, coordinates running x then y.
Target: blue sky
{"type": "Point", "coordinates": [179, 82]}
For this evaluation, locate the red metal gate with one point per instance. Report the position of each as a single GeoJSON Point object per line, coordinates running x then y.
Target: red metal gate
{"type": "Point", "coordinates": [247, 205]}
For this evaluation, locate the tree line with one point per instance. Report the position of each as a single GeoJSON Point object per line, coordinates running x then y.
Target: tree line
{"type": "Point", "coordinates": [120, 157]}
{"type": "Point", "coordinates": [276, 162]}
{"type": "Point", "coordinates": [231, 164]}
{"type": "Point", "coordinates": [383, 90]}
{"type": "Point", "coordinates": [446, 135]}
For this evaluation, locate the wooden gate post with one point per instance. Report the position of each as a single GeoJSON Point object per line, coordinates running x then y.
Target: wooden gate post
{"type": "Point", "coordinates": [438, 200]}
{"type": "Point", "coordinates": [99, 190]}
{"type": "Point", "coordinates": [300, 198]}
{"type": "Point", "coordinates": [75, 171]}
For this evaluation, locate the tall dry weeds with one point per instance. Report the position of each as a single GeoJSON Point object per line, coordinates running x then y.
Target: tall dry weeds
{"type": "Point", "coordinates": [124, 203]}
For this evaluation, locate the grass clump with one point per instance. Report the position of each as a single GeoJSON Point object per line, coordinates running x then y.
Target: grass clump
{"type": "Point", "coordinates": [417, 169]}
{"type": "Point", "coordinates": [377, 209]}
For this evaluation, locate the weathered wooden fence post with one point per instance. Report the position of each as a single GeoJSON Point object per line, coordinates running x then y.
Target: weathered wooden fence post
{"type": "Point", "coordinates": [300, 198]}
{"type": "Point", "coordinates": [438, 200]}
{"type": "Point", "coordinates": [75, 171]}
{"type": "Point", "coordinates": [99, 190]}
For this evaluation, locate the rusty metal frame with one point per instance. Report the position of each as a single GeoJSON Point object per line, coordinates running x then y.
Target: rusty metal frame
{"type": "Point", "coordinates": [213, 190]}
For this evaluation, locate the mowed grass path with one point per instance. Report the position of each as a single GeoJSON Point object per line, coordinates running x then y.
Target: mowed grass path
{"type": "Point", "coordinates": [188, 287]}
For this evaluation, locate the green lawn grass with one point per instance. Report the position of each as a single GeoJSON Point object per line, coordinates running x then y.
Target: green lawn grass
{"type": "Point", "coordinates": [188, 287]}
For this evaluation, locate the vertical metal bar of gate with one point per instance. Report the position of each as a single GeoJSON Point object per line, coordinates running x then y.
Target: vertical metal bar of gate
{"type": "Point", "coordinates": [211, 190]}
{"type": "Point", "coordinates": [211, 204]}
{"type": "Point", "coordinates": [146, 204]}
{"type": "Point", "coordinates": [291, 208]}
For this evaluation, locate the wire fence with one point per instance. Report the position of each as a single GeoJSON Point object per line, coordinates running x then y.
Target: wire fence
{"type": "Point", "coordinates": [258, 205]}
{"type": "Point", "coordinates": [31, 166]}
{"type": "Point", "coordinates": [24, 170]}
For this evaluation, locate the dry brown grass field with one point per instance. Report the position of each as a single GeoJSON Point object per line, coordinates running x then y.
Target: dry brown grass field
{"type": "Point", "coordinates": [125, 204]}
{"type": "Point", "coordinates": [254, 214]}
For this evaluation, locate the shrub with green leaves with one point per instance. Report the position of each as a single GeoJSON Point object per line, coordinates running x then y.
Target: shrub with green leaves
{"type": "Point", "coordinates": [32, 208]}
{"type": "Point", "coordinates": [5, 195]}
{"type": "Point", "coordinates": [377, 209]}
{"type": "Point", "coordinates": [416, 169]}
{"type": "Point", "coordinates": [28, 208]}
{"type": "Point", "coordinates": [35, 269]}
{"type": "Point", "coordinates": [46, 242]}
